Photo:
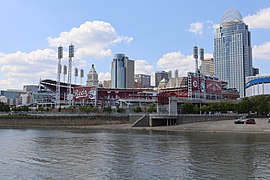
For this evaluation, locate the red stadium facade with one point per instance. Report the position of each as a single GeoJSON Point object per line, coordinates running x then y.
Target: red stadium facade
{"type": "Point", "coordinates": [213, 87]}
{"type": "Point", "coordinates": [111, 96]}
{"type": "Point", "coordinates": [197, 87]}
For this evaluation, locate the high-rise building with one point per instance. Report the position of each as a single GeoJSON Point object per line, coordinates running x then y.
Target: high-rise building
{"type": "Point", "coordinates": [232, 51]}
{"type": "Point", "coordinates": [31, 88]}
{"type": "Point", "coordinates": [142, 80]}
{"type": "Point", "coordinates": [122, 72]}
{"type": "Point", "coordinates": [207, 67]}
{"type": "Point", "coordinates": [178, 82]}
{"type": "Point", "coordinates": [159, 76]}
{"type": "Point", "coordinates": [92, 77]}
{"type": "Point", "coordinates": [107, 83]}
{"type": "Point", "coordinates": [169, 74]}
{"type": "Point", "coordinates": [255, 71]}
{"type": "Point", "coordinates": [176, 73]}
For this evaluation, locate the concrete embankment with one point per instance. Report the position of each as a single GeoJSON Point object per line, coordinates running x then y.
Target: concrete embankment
{"type": "Point", "coordinates": [49, 120]}
{"type": "Point", "coordinates": [261, 126]}
{"type": "Point", "coordinates": [86, 120]}
{"type": "Point", "coordinates": [151, 120]}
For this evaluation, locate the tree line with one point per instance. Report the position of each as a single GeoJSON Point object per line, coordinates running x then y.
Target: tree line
{"type": "Point", "coordinates": [259, 105]}
{"type": "Point", "coordinates": [4, 107]}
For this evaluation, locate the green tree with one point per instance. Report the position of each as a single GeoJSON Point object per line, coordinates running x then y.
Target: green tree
{"type": "Point", "coordinates": [107, 109]}
{"type": "Point", "coordinates": [187, 108]}
{"type": "Point", "coordinates": [88, 109]}
{"type": "Point", "coordinates": [261, 104]}
{"type": "Point", "coordinates": [204, 108]}
{"type": "Point", "coordinates": [245, 105]}
{"type": "Point", "coordinates": [214, 107]}
{"type": "Point", "coordinates": [21, 108]}
{"type": "Point", "coordinates": [120, 110]}
{"type": "Point", "coordinates": [4, 107]}
{"type": "Point", "coordinates": [196, 109]}
{"type": "Point", "coordinates": [152, 108]}
{"type": "Point", "coordinates": [137, 109]}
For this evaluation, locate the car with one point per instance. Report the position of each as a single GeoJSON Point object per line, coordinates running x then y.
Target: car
{"type": "Point", "coordinates": [239, 121]}
{"type": "Point", "coordinates": [250, 121]}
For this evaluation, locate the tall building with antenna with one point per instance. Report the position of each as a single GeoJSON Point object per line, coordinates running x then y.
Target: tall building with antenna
{"type": "Point", "coordinates": [232, 51]}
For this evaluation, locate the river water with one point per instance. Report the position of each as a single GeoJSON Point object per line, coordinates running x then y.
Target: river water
{"type": "Point", "coordinates": [129, 154]}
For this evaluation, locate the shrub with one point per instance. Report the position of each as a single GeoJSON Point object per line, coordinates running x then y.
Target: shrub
{"type": "Point", "coordinates": [120, 110]}
{"type": "Point", "coordinates": [137, 109]}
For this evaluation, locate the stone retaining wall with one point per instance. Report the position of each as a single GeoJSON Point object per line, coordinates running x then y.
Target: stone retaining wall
{"type": "Point", "coordinates": [202, 118]}
{"type": "Point", "coordinates": [60, 121]}
{"type": "Point", "coordinates": [164, 120]}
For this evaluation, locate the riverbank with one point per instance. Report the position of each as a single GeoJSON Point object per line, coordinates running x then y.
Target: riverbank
{"type": "Point", "coordinates": [261, 126]}
{"type": "Point", "coordinates": [124, 122]}
{"type": "Point", "coordinates": [60, 120]}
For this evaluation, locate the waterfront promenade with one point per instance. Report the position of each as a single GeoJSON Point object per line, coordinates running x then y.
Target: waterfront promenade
{"type": "Point", "coordinates": [261, 126]}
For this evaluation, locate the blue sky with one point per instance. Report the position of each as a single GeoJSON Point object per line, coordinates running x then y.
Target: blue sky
{"type": "Point", "coordinates": [157, 34]}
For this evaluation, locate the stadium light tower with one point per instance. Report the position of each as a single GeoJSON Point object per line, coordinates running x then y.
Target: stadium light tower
{"type": "Point", "coordinates": [71, 55]}
{"type": "Point", "coordinates": [76, 74]}
{"type": "Point", "coordinates": [59, 69]}
{"type": "Point", "coordinates": [65, 72]}
{"type": "Point", "coordinates": [195, 55]}
{"type": "Point", "coordinates": [81, 75]}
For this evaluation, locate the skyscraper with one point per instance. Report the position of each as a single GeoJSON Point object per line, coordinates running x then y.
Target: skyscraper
{"type": "Point", "coordinates": [159, 76]}
{"type": "Point", "coordinates": [142, 80]}
{"type": "Point", "coordinates": [122, 72]}
{"type": "Point", "coordinates": [169, 74]}
{"type": "Point", "coordinates": [176, 73]}
{"type": "Point", "coordinates": [232, 51]}
{"type": "Point", "coordinates": [207, 66]}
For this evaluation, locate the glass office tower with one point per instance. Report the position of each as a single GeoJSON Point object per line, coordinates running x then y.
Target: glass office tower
{"type": "Point", "coordinates": [122, 72]}
{"type": "Point", "coordinates": [232, 51]}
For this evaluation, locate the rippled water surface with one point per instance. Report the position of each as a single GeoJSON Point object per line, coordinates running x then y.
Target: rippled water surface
{"type": "Point", "coordinates": [110, 154]}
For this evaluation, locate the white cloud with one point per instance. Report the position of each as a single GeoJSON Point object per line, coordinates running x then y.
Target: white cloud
{"type": "Point", "coordinates": [104, 76]}
{"type": "Point", "coordinates": [215, 26]}
{"type": "Point", "coordinates": [261, 52]}
{"type": "Point", "coordinates": [196, 28]}
{"type": "Point", "coordinates": [176, 60]}
{"type": "Point", "coordinates": [208, 55]}
{"type": "Point", "coordinates": [259, 20]}
{"type": "Point", "coordinates": [20, 67]}
{"type": "Point", "coordinates": [92, 39]}
{"type": "Point", "coordinates": [7, 83]}
{"type": "Point", "coordinates": [143, 67]}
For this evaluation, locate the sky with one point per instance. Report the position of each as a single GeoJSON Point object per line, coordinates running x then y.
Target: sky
{"type": "Point", "coordinates": [156, 34]}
